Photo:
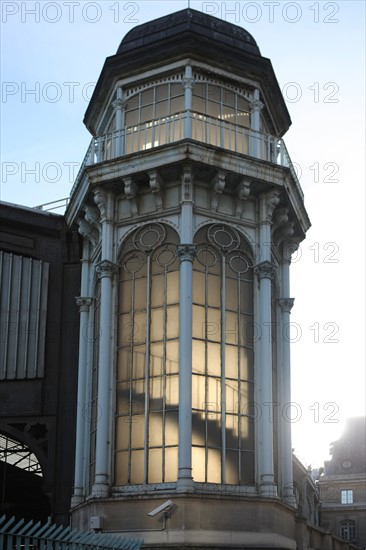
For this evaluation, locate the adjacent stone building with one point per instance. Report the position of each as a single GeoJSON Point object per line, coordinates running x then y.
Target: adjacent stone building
{"type": "Point", "coordinates": [343, 485]}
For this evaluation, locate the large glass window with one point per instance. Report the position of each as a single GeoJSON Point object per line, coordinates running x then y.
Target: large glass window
{"type": "Point", "coordinates": [147, 377]}
{"type": "Point", "coordinates": [222, 369]}
{"type": "Point", "coordinates": [154, 117]}
{"type": "Point", "coordinates": [221, 117]}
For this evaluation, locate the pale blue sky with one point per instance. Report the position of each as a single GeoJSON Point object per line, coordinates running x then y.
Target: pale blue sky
{"type": "Point", "coordinates": [317, 51]}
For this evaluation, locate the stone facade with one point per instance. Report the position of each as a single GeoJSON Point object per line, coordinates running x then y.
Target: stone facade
{"type": "Point", "coordinates": [343, 485]}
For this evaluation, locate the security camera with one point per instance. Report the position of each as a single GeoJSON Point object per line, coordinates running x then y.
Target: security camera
{"type": "Point", "coordinates": [165, 506]}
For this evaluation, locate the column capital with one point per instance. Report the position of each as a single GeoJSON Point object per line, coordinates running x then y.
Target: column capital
{"type": "Point", "coordinates": [256, 105]}
{"type": "Point", "coordinates": [83, 303]}
{"type": "Point", "coordinates": [286, 304]}
{"type": "Point", "coordinates": [106, 268]}
{"type": "Point", "coordinates": [186, 252]}
{"type": "Point", "coordinates": [119, 104]}
{"type": "Point", "coordinates": [265, 270]}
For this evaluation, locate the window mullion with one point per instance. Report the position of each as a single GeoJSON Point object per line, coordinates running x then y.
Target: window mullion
{"type": "Point", "coordinates": [206, 375]}
{"type": "Point", "coordinates": [164, 373]}
{"type": "Point", "coordinates": [223, 372]}
{"type": "Point", "coordinates": [239, 383]}
{"type": "Point", "coordinates": [130, 404]}
{"type": "Point", "coordinates": [147, 367]}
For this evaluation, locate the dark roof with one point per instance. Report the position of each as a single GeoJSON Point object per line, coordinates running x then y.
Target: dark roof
{"type": "Point", "coordinates": [189, 21]}
{"type": "Point", "coordinates": [190, 34]}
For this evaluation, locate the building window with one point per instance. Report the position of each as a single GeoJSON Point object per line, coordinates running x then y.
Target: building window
{"type": "Point", "coordinates": [221, 117]}
{"type": "Point", "coordinates": [347, 530]}
{"type": "Point", "coordinates": [347, 496]}
{"type": "Point", "coordinates": [222, 362]}
{"type": "Point", "coordinates": [147, 371]}
{"type": "Point", "coordinates": [154, 116]}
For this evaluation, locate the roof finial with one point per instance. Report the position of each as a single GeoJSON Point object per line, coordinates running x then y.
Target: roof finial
{"type": "Point", "coordinates": [189, 4]}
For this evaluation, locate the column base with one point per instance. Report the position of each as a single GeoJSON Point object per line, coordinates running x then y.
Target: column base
{"type": "Point", "coordinates": [100, 490]}
{"type": "Point", "coordinates": [185, 483]}
{"type": "Point", "coordinates": [267, 487]}
{"type": "Point", "coordinates": [290, 500]}
{"type": "Point", "coordinates": [76, 499]}
{"type": "Point", "coordinates": [289, 496]}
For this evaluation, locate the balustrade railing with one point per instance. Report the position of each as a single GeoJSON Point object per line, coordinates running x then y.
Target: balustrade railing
{"type": "Point", "coordinates": [197, 126]}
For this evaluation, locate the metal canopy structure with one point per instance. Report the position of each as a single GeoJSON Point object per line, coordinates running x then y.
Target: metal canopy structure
{"type": "Point", "coordinates": [17, 454]}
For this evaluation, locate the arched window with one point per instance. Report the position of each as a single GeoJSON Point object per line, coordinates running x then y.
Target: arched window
{"type": "Point", "coordinates": [223, 438]}
{"type": "Point", "coordinates": [147, 372]}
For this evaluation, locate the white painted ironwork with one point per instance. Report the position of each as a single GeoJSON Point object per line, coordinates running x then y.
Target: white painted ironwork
{"type": "Point", "coordinates": [60, 204]}
{"type": "Point", "coordinates": [19, 535]}
{"type": "Point", "coordinates": [205, 129]}
{"type": "Point", "coordinates": [17, 454]}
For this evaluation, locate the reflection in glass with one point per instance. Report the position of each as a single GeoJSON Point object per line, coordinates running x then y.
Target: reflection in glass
{"type": "Point", "coordinates": [222, 365]}
{"type": "Point", "coordinates": [147, 387]}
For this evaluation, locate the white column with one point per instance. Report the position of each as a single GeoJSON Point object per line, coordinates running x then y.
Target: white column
{"type": "Point", "coordinates": [119, 105]}
{"type": "Point", "coordinates": [84, 304]}
{"type": "Point", "coordinates": [255, 125]}
{"type": "Point", "coordinates": [188, 83]}
{"type": "Point", "coordinates": [265, 270]}
{"type": "Point", "coordinates": [286, 304]}
{"type": "Point", "coordinates": [106, 269]}
{"type": "Point", "coordinates": [186, 253]}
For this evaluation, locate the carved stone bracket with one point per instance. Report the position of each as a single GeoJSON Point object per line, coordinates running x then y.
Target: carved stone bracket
{"type": "Point", "coordinates": [243, 192]}
{"type": "Point", "coordinates": [217, 186]}
{"type": "Point", "coordinates": [289, 247]}
{"type": "Point", "coordinates": [186, 252]}
{"type": "Point", "coordinates": [269, 204]}
{"type": "Point", "coordinates": [265, 270]}
{"type": "Point", "coordinates": [286, 304]}
{"type": "Point", "coordinates": [105, 268]}
{"type": "Point", "coordinates": [131, 194]}
{"type": "Point", "coordinates": [92, 216]}
{"type": "Point", "coordinates": [88, 231]}
{"type": "Point", "coordinates": [100, 199]}
{"type": "Point", "coordinates": [83, 303]}
{"type": "Point", "coordinates": [280, 217]}
{"type": "Point", "coordinates": [156, 185]}
{"type": "Point", "coordinates": [187, 183]}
